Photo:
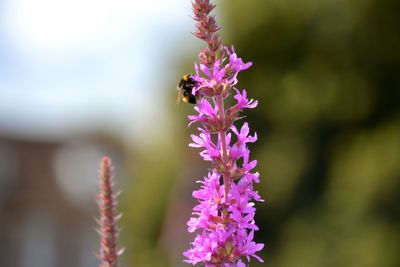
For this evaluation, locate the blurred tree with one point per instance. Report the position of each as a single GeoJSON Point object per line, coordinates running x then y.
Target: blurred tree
{"type": "Point", "coordinates": [327, 77]}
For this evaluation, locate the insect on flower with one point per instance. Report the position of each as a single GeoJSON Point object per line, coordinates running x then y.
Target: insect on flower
{"type": "Point", "coordinates": [224, 217]}
{"type": "Point", "coordinates": [184, 89]}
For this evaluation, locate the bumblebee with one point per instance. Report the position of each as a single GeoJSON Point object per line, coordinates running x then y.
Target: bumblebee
{"type": "Point", "coordinates": [185, 87]}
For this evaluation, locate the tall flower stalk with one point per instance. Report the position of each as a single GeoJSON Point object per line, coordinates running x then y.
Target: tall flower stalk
{"type": "Point", "coordinates": [108, 229]}
{"type": "Point", "coordinates": [224, 217]}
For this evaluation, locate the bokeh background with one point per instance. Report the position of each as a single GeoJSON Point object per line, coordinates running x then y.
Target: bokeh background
{"type": "Point", "coordinates": [80, 79]}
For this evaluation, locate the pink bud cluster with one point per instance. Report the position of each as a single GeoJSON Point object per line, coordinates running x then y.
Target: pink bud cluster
{"type": "Point", "coordinates": [223, 219]}
{"type": "Point", "coordinates": [108, 229]}
{"type": "Point", "coordinates": [206, 30]}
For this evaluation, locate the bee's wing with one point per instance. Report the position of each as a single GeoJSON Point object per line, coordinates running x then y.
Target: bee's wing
{"type": "Point", "coordinates": [178, 95]}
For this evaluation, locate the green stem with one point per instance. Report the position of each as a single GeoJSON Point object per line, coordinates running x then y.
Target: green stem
{"type": "Point", "coordinates": [224, 149]}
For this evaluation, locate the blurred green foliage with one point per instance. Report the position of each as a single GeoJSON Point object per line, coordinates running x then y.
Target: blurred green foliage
{"type": "Point", "coordinates": [326, 74]}
{"type": "Point", "coordinates": [327, 77]}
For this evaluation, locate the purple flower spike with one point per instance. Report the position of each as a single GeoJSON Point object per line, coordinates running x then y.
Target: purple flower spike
{"type": "Point", "coordinates": [223, 219]}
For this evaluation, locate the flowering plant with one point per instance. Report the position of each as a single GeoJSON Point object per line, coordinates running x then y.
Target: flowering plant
{"type": "Point", "coordinates": [108, 229]}
{"type": "Point", "coordinates": [224, 217]}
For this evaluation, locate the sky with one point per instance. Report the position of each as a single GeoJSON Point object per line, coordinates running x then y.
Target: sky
{"type": "Point", "coordinates": [66, 63]}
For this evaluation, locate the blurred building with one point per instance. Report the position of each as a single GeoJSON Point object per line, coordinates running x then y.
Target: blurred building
{"type": "Point", "coordinates": [47, 200]}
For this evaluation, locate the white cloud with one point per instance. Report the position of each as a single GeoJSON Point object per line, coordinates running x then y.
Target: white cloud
{"type": "Point", "coordinates": [58, 25]}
